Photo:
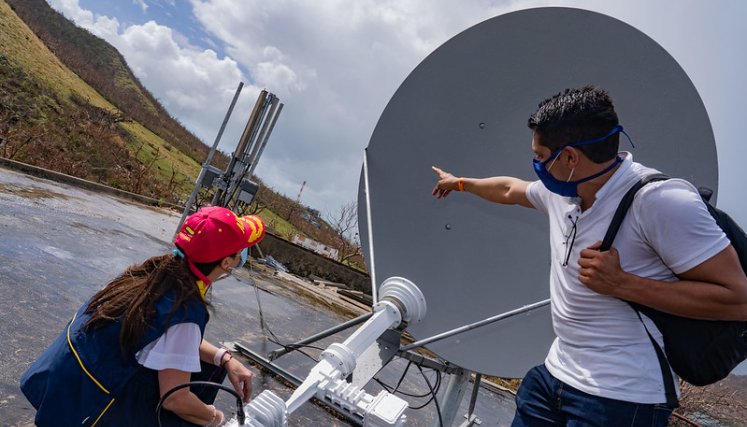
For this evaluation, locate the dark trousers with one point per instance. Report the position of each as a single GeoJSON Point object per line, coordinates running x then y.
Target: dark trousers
{"type": "Point", "coordinates": [543, 400]}
{"type": "Point", "coordinates": [138, 401]}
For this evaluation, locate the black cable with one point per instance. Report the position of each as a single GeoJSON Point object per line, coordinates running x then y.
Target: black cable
{"type": "Point", "coordinates": [273, 338]}
{"type": "Point", "coordinates": [430, 393]}
{"type": "Point", "coordinates": [297, 348]}
{"type": "Point", "coordinates": [382, 384]}
{"type": "Point", "coordinates": [403, 393]}
{"type": "Point", "coordinates": [407, 368]}
{"type": "Point", "coordinates": [435, 399]}
{"type": "Point", "coordinates": [389, 389]}
{"type": "Point", "coordinates": [240, 415]}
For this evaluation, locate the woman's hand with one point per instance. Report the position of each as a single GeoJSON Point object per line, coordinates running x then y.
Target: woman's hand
{"type": "Point", "coordinates": [218, 417]}
{"type": "Point", "coordinates": [240, 377]}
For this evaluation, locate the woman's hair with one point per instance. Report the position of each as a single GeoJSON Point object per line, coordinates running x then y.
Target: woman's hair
{"type": "Point", "coordinates": [132, 297]}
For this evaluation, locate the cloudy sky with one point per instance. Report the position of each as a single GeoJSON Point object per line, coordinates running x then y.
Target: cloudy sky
{"type": "Point", "coordinates": [336, 63]}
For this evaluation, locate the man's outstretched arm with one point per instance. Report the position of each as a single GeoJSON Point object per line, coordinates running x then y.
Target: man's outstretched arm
{"type": "Point", "coordinates": [505, 190]}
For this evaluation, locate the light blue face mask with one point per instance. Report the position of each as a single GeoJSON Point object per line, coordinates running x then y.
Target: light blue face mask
{"type": "Point", "coordinates": [570, 188]}
{"type": "Point", "coordinates": [244, 255]}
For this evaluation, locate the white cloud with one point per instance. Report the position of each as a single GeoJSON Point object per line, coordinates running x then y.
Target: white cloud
{"type": "Point", "coordinates": [143, 5]}
{"type": "Point", "coordinates": [277, 74]}
{"type": "Point", "coordinates": [195, 85]}
{"type": "Point", "coordinates": [101, 26]}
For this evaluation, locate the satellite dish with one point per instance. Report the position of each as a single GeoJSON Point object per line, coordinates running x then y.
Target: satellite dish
{"type": "Point", "coordinates": [465, 109]}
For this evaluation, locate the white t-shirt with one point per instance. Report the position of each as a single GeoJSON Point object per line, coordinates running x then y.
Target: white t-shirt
{"type": "Point", "coordinates": [178, 348]}
{"type": "Point", "coordinates": [601, 346]}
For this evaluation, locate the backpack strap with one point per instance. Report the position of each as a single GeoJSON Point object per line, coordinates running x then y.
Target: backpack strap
{"type": "Point", "coordinates": [666, 372]}
{"type": "Point", "coordinates": [609, 237]}
{"type": "Point", "coordinates": [622, 209]}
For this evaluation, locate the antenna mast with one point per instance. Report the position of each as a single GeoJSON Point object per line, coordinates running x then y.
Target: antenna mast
{"type": "Point", "coordinates": [298, 198]}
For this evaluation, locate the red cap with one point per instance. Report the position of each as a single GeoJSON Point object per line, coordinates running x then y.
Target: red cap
{"type": "Point", "coordinates": [213, 233]}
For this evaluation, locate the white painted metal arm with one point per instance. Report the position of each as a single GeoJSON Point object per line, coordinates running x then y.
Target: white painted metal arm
{"type": "Point", "coordinates": [401, 301]}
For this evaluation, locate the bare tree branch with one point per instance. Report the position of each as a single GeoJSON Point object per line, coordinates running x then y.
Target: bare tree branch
{"type": "Point", "coordinates": [345, 225]}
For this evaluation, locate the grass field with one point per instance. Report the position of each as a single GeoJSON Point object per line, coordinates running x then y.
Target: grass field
{"type": "Point", "coordinates": [147, 145]}
{"type": "Point", "coordinates": [20, 44]}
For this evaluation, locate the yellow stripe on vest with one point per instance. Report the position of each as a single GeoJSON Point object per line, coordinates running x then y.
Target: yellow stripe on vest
{"type": "Point", "coordinates": [80, 362]}
{"type": "Point", "coordinates": [102, 413]}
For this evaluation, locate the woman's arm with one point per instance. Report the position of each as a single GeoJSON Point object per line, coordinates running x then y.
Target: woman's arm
{"type": "Point", "coordinates": [239, 376]}
{"type": "Point", "coordinates": [183, 402]}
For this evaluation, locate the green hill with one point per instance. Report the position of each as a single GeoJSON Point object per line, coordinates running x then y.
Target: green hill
{"type": "Point", "coordinates": [112, 131]}
{"type": "Point", "coordinates": [100, 65]}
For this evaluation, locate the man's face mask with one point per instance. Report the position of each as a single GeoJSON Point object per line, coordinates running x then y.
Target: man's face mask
{"type": "Point", "coordinates": [569, 188]}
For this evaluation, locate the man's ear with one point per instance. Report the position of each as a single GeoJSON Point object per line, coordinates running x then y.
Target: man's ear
{"type": "Point", "coordinates": [572, 156]}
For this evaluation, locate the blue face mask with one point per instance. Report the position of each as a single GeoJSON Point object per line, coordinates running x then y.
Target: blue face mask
{"type": "Point", "coordinates": [244, 254]}
{"type": "Point", "coordinates": [569, 188]}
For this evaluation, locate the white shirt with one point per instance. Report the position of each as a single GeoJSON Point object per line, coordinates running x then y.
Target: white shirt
{"type": "Point", "coordinates": [178, 348]}
{"type": "Point", "coordinates": [601, 346]}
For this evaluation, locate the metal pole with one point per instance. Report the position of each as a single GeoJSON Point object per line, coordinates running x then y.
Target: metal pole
{"type": "Point", "coordinates": [251, 124]}
{"type": "Point", "coordinates": [369, 226]}
{"type": "Point", "coordinates": [264, 140]}
{"type": "Point", "coordinates": [209, 159]}
{"type": "Point", "coordinates": [452, 397]}
{"type": "Point", "coordinates": [265, 125]}
{"type": "Point", "coordinates": [253, 156]}
{"type": "Point", "coordinates": [471, 418]}
{"type": "Point", "coordinates": [240, 158]}
{"type": "Point", "coordinates": [475, 325]}
{"type": "Point", "coordinates": [247, 135]}
{"type": "Point", "coordinates": [324, 334]}
{"type": "Point", "coordinates": [473, 397]}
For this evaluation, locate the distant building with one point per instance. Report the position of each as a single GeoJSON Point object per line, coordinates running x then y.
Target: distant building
{"type": "Point", "coordinates": [315, 246]}
{"type": "Point", "coordinates": [312, 217]}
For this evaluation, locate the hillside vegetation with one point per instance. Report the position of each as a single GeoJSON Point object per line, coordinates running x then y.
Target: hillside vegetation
{"type": "Point", "coordinates": [52, 118]}
{"type": "Point", "coordinates": [101, 66]}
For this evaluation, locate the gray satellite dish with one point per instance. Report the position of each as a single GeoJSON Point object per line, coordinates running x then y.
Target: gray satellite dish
{"type": "Point", "coordinates": [465, 108]}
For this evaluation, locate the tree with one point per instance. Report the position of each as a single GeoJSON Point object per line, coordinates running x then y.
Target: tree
{"type": "Point", "coordinates": [345, 225]}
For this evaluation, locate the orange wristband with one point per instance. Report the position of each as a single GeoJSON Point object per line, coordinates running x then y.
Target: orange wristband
{"type": "Point", "coordinates": [460, 184]}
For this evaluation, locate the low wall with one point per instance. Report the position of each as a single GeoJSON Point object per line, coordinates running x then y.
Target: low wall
{"type": "Point", "coordinates": [303, 262]}
{"type": "Point", "coordinates": [82, 183]}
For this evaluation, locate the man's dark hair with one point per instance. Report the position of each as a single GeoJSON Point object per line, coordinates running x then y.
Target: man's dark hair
{"type": "Point", "coordinates": [578, 115]}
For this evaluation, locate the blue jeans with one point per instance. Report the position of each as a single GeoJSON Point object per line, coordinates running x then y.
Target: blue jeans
{"type": "Point", "coordinates": [543, 400]}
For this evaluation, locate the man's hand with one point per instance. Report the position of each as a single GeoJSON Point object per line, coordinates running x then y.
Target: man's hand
{"type": "Point", "coordinates": [601, 271]}
{"type": "Point", "coordinates": [445, 185]}
{"type": "Point", "coordinates": [240, 377]}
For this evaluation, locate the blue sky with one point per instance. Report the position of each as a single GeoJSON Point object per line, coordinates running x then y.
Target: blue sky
{"type": "Point", "coordinates": [336, 63]}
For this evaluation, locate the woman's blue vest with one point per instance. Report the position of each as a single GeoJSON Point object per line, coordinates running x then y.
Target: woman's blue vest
{"type": "Point", "coordinates": [82, 374]}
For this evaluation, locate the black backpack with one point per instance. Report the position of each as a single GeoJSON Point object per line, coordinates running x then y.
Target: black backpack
{"type": "Point", "coordinates": [701, 352]}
